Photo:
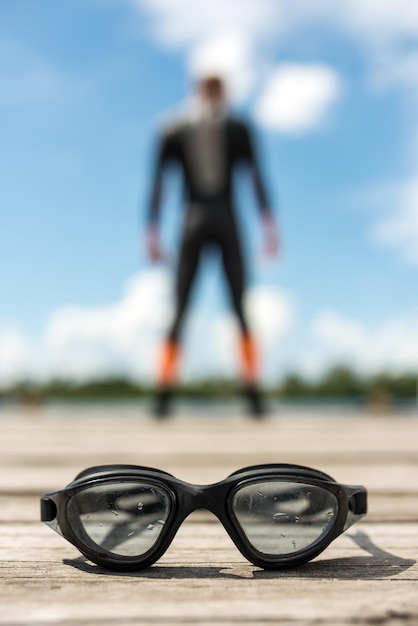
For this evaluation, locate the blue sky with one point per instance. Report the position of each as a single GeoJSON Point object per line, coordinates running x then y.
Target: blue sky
{"type": "Point", "coordinates": [332, 89]}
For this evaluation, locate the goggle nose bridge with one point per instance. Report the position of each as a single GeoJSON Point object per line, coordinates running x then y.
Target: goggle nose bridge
{"type": "Point", "coordinates": [210, 498]}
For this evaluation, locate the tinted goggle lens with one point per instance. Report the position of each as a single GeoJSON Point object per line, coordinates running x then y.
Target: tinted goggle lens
{"type": "Point", "coordinates": [281, 518]}
{"type": "Point", "coordinates": [125, 519]}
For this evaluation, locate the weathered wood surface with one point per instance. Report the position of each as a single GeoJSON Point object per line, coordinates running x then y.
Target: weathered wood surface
{"type": "Point", "coordinates": [367, 576]}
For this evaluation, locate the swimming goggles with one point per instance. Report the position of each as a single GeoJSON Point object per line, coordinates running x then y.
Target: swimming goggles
{"type": "Point", "coordinates": [124, 517]}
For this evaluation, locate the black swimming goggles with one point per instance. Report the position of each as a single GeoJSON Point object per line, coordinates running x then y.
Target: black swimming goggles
{"type": "Point", "coordinates": [124, 517]}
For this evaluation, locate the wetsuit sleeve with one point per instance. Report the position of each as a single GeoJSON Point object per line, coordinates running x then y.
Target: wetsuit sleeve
{"type": "Point", "coordinates": [249, 154]}
{"type": "Point", "coordinates": [163, 155]}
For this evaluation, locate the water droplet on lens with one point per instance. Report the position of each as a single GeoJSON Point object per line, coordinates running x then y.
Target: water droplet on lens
{"type": "Point", "coordinates": [115, 513]}
{"type": "Point", "coordinates": [280, 517]}
{"type": "Point", "coordinates": [296, 518]}
{"type": "Point", "coordinates": [150, 527]}
{"type": "Point", "coordinates": [140, 506]}
{"type": "Point", "coordinates": [308, 494]}
{"type": "Point", "coordinates": [329, 515]}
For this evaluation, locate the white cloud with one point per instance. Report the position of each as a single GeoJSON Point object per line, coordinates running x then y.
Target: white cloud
{"type": "Point", "coordinates": [298, 97]}
{"type": "Point", "coordinates": [181, 23]}
{"type": "Point", "coordinates": [237, 39]}
{"type": "Point", "coordinates": [210, 346]}
{"type": "Point", "coordinates": [401, 71]}
{"type": "Point", "coordinates": [125, 336]}
{"type": "Point", "coordinates": [212, 341]}
{"type": "Point", "coordinates": [386, 21]}
{"type": "Point", "coordinates": [122, 337]}
{"type": "Point", "coordinates": [270, 312]}
{"type": "Point", "coordinates": [399, 229]}
{"type": "Point", "coordinates": [272, 316]}
{"type": "Point", "coordinates": [385, 30]}
{"type": "Point", "coordinates": [391, 344]}
{"type": "Point", "coordinates": [216, 36]}
{"type": "Point", "coordinates": [229, 56]}
{"type": "Point", "coordinates": [15, 355]}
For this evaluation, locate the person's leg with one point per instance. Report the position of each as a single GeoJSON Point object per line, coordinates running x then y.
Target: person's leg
{"type": "Point", "coordinates": [233, 264]}
{"type": "Point", "coordinates": [170, 354]}
{"type": "Point", "coordinates": [188, 263]}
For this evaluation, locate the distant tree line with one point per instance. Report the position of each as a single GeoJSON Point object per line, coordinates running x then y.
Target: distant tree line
{"type": "Point", "coordinates": [343, 382]}
{"type": "Point", "coordinates": [339, 382]}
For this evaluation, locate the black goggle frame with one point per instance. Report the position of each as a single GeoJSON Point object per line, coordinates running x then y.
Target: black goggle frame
{"type": "Point", "coordinates": [217, 498]}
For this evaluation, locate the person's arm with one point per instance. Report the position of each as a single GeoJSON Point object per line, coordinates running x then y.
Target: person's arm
{"type": "Point", "coordinates": [269, 222]}
{"type": "Point", "coordinates": [156, 198]}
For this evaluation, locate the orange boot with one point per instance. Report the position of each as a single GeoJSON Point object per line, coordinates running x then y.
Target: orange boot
{"type": "Point", "coordinates": [168, 369]}
{"type": "Point", "coordinates": [250, 372]}
{"type": "Point", "coordinates": [249, 359]}
{"type": "Point", "coordinates": [166, 377]}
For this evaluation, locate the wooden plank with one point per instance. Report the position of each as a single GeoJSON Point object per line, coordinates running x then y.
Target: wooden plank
{"type": "Point", "coordinates": [367, 576]}
{"type": "Point", "coordinates": [217, 586]}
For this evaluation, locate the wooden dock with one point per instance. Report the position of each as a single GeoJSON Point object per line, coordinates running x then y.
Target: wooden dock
{"type": "Point", "coordinates": [367, 576]}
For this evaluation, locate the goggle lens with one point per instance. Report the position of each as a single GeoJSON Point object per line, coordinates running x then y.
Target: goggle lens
{"type": "Point", "coordinates": [125, 519]}
{"type": "Point", "coordinates": [280, 518]}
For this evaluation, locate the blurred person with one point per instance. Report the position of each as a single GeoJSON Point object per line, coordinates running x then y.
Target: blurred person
{"type": "Point", "coordinates": [208, 144]}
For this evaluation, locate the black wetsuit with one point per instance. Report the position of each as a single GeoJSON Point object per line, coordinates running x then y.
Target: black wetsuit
{"type": "Point", "coordinates": [208, 151]}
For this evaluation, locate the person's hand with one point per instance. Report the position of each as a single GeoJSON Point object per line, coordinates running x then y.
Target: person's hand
{"type": "Point", "coordinates": [271, 235]}
{"type": "Point", "coordinates": [153, 245]}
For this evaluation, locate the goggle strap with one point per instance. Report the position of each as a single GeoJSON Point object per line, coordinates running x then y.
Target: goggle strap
{"type": "Point", "coordinates": [48, 509]}
{"type": "Point", "coordinates": [357, 507]}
